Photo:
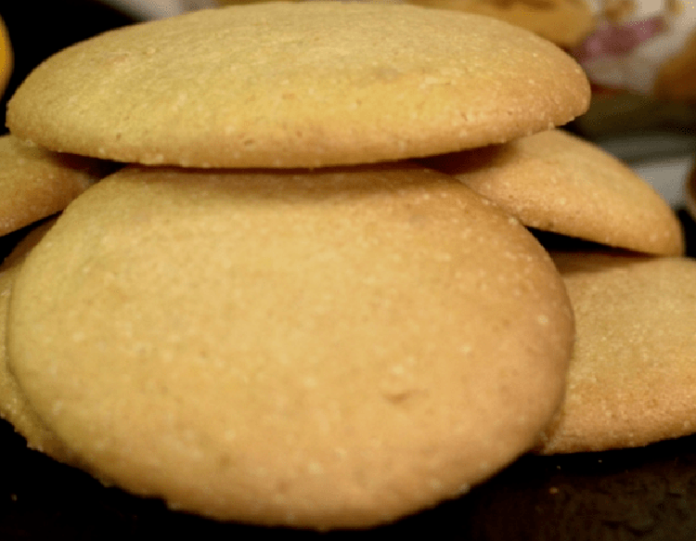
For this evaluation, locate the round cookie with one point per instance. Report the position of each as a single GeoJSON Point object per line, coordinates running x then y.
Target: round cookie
{"type": "Point", "coordinates": [676, 77]}
{"type": "Point", "coordinates": [13, 405]}
{"type": "Point", "coordinates": [632, 379]}
{"type": "Point", "coordinates": [36, 183]}
{"type": "Point", "coordinates": [557, 182]}
{"type": "Point", "coordinates": [564, 22]}
{"type": "Point", "coordinates": [323, 349]}
{"type": "Point", "coordinates": [298, 85]}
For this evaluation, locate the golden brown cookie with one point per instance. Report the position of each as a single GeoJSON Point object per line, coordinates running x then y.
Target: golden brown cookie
{"type": "Point", "coordinates": [36, 183]}
{"type": "Point", "coordinates": [298, 85]}
{"type": "Point", "coordinates": [557, 182]}
{"type": "Point", "coordinates": [632, 378]}
{"type": "Point", "coordinates": [13, 405]}
{"type": "Point", "coordinates": [564, 22]}
{"type": "Point", "coordinates": [328, 349]}
{"type": "Point", "coordinates": [6, 56]}
{"type": "Point", "coordinates": [676, 78]}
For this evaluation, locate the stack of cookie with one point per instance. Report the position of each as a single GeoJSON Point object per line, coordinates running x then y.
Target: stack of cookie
{"type": "Point", "coordinates": [271, 313]}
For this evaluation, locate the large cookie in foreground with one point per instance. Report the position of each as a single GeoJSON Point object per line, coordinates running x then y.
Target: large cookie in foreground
{"type": "Point", "coordinates": [298, 85]}
{"type": "Point", "coordinates": [328, 349]}
{"type": "Point", "coordinates": [555, 181]}
{"type": "Point", "coordinates": [632, 378]}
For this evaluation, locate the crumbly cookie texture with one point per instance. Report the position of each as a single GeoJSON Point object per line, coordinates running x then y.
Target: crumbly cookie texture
{"type": "Point", "coordinates": [14, 407]}
{"type": "Point", "coordinates": [631, 379]}
{"type": "Point", "coordinates": [36, 183]}
{"type": "Point", "coordinates": [555, 181]}
{"type": "Point", "coordinates": [298, 85]}
{"type": "Point", "coordinates": [325, 349]}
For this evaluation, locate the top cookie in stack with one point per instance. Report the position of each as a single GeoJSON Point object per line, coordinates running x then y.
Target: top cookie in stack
{"type": "Point", "coordinates": [275, 328]}
{"type": "Point", "coordinates": [298, 85]}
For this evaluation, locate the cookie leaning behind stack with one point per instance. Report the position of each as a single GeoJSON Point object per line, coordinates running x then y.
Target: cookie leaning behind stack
{"type": "Point", "coordinates": [554, 181]}
{"type": "Point", "coordinates": [631, 380]}
{"type": "Point", "coordinates": [564, 22]}
{"type": "Point", "coordinates": [327, 348]}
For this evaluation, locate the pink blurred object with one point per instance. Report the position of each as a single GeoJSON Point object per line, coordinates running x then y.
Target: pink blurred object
{"type": "Point", "coordinates": [618, 39]}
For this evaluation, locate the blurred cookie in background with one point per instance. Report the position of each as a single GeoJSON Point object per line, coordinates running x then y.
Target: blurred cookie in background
{"type": "Point", "coordinates": [631, 380]}
{"type": "Point", "coordinates": [5, 56]}
{"type": "Point", "coordinates": [676, 78]}
{"type": "Point", "coordinates": [564, 22]}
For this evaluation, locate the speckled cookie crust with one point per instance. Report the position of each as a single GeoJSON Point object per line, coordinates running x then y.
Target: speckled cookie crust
{"type": "Point", "coordinates": [632, 379]}
{"type": "Point", "coordinates": [555, 181]}
{"type": "Point", "coordinates": [328, 349]}
{"type": "Point", "coordinates": [298, 85]}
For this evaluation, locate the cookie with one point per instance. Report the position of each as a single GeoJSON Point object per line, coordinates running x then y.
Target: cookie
{"type": "Point", "coordinates": [297, 85]}
{"type": "Point", "coordinates": [6, 57]}
{"type": "Point", "coordinates": [632, 379]}
{"type": "Point", "coordinates": [676, 77]}
{"type": "Point", "coordinates": [564, 22]}
{"type": "Point", "coordinates": [35, 183]}
{"type": "Point", "coordinates": [13, 405]}
{"type": "Point", "coordinates": [555, 181]}
{"type": "Point", "coordinates": [327, 349]}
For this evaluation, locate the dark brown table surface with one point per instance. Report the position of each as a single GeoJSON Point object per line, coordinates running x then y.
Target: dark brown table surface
{"type": "Point", "coordinates": [646, 493]}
